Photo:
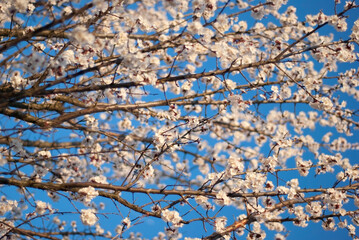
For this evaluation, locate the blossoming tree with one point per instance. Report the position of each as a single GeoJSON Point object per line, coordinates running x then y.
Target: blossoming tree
{"type": "Point", "coordinates": [237, 117]}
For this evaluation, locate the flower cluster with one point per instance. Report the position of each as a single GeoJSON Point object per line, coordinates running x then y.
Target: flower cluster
{"type": "Point", "coordinates": [203, 202]}
{"type": "Point", "coordinates": [125, 224]}
{"type": "Point", "coordinates": [334, 200]}
{"type": "Point", "coordinates": [220, 224]}
{"type": "Point", "coordinates": [81, 35]}
{"type": "Point", "coordinates": [7, 205]}
{"type": "Point", "coordinates": [355, 31]}
{"type": "Point", "coordinates": [42, 207]}
{"type": "Point", "coordinates": [326, 162]}
{"type": "Point", "coordinates": [87, 194]}
{"type": "Point", "coordinates": [88, 217]}
{"type": "Point", "coordinates": [172, 217]}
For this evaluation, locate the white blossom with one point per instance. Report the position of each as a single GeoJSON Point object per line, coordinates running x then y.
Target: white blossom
{"type": "Point", "coordinates": [7, 205]}
{"type": "Point", "coordinates": [329, 224]}
{"type": "Point", "coordinates": [334, 200]}
{"type": "Point", "coordinates": [222, 198]}
{"type": "Point", "coordinates": [255, 181]}
{"type": "Point", "coordinates": [220, 224]}
{"type": "Point", "coordinates": [172, 217]}
{"type": "Point", "coordinates": [88, 217]}
{"type": "Point", "coordinates": [87, 194]}
{"type": "Point", "coordinates": [42, 207]}
{"type": "Point", "coordinates": [149, 172]}
{"type": "Point", "coordinates": [81, 35]}
{"type": "Point", "coordinates": [99, 179]}
{"type": "Point", "coordinates": [355, 31]}
{"type": "Point", "coordinates": [314, 208]}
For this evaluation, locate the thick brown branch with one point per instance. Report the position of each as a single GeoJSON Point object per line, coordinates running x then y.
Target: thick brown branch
{"type": "Point", "coordinates": [30, 233]}
{"type": "Point", "coordinates": [25, 117]}
{"type": "Point", "coordinates": [42, 144]}
{"type": "Point", "coordinates": [77, 185]}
